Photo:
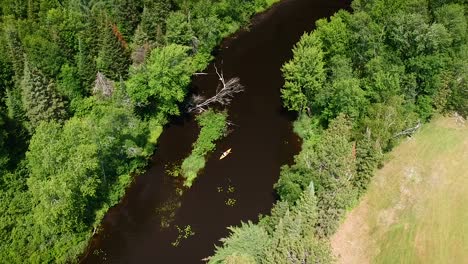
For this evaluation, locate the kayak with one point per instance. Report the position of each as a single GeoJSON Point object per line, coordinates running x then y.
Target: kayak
{"type": "Point", "coordinates": [225, 153]}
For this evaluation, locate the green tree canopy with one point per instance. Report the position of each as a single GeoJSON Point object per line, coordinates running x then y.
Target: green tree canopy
{"type": "Point", "coordinates": [162, 81]}
{"type": "Point", "coordinates": [40, 98]}
{"type": "Point", "coordinates": [304, 74]}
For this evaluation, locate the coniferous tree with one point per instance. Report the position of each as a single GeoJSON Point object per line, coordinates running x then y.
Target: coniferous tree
{"type": "Point", "coordinates": [179, 30]}
{"type": "Point", "coordinates": [153, 19]}
{"type": "Point", "coordinates": [368, 157]}
{"type": "Point", "coordinates": [40, 99]}
{"type": "Point", "coordinates": [84, 59]}
{"type": "Point", "coordinates": [14, 49]}
{"type": "Point", "coordinates": [293, 240]}
{"type": "Point", "coordinates": [247, 242]}
{"type": "Point", "coordinates": [6, 75]}
{"type": "Point", "coordinates": [127, 14]}
{"type": "Point", "coordinates": [114, 56]}
{"type": "Point", "coordinates": [3, 150]}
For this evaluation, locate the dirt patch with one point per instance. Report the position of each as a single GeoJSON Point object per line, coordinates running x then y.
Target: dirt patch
{"type": "Point", "coordinates": [350, 244]}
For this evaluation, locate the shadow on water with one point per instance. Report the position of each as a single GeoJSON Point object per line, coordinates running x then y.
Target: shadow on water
{"type": "Point", "coordinates": [142, 228]}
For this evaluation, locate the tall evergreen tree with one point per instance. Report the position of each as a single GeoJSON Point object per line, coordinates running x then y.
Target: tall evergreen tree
{"type": "Point", "coordinates": [368, 157]}
{"type": "Point", "coordinates": [114, 56]}
{"type": "Point", "coordinates": [15, 49]}
{"type": "Point", "coordinates": [127, 15]}
{"type": "Point", "coordinates": [3, 149]}
{"type": "Point", "coordinates": [153, 19]}
{"type": "Point", "coordinates": [40, 99]}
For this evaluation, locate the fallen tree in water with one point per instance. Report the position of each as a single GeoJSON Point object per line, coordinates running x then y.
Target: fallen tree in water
{"type": "Point", "coordinates": [224, 94]}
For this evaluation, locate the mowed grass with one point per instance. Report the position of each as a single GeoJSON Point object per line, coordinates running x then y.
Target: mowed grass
{"type": "Point", "coordinates": [416, 208]}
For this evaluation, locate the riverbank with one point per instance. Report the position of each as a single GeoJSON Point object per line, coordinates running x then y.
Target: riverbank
{"type": "Point", "coordinates": [262, 141]}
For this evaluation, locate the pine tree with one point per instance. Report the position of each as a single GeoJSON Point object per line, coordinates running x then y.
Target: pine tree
{"type": "Point", "coordinates": [84, 59]}
{"type": "Point", "coordinates": [247, 242]}
{"type": "Point", "coordinates": [15, 50]}
{"type": "Point", "coordinates": [293, 240]}
{"type": "Point", "coordinates": [3, 151]}
{"type": "Point", "coordinates": [114, 56]}
{"type": "Point", "coordinates": [368, 157]}
{"type": "Point", "coordinates": [6, 74]}
{"type": "Point", "coordinates": [127, 14]}
{"type": "Point", "coordinates": [153, 19]}
{"type": "Point", "coordinates": [40, 98]}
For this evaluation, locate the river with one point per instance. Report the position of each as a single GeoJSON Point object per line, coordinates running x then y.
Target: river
{"type": "Point", "coordinates": [142, 228]}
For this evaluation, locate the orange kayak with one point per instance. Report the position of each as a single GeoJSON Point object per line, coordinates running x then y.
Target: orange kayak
{"type": "Point", "coordinates": [225, 153]}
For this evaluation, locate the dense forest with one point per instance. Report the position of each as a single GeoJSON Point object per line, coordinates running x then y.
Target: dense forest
{"type": "Point", "coordinates": [360, 82]}
{"type": "Point", "coordinates": [86, 88]}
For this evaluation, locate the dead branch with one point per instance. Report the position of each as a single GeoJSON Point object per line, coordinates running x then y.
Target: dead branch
{"type": "Point", "coordinates": [224, 94]}
{"type": "Point", "coordinates": [103, 86]}
{"type": "Point", "coordinates": [140, 53]}
{"type": "Point", "coordinates": [410, 131]}
{"type": "Point", "coordinates": [229, 123]}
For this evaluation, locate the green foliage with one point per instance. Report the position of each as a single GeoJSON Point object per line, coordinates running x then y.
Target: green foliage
{"type": "Point", "coordinates": [153, 19]}
{"type": "Point", "coordinates": [4, 157]}
{"type": "Point", "coordinates": [43, 54]}
{"type": "Point", "coordinates": [384, 120]}
{"type": "Point", "coordinates": [179, 30]}
{"type": "Point", "coordinates": [368, 157]}
{"type": "Point", "coordinates": [40, 98]}
{"type": "Point", "coordinates": [127, 14]}
{"type": "Point", "coordinates": [114, 57]}
{"type": "Point", "coordinates": [458, 99]}
{"type": "Point", "coordinates": [14, 49]}
{"type": "Point", "coordinates": [52, 197]}
{"type": "Point", "coordinates": [452, 17]}
{"type": "Point", "coordinates": [69, 83]}
{"type": "Point", "coordinates": [73, 171]}
{"type": "Point", "coordinates": [304, 74]}
{"type": "Point", "coordinates": [213, 127]}
{"type": "Point", "coordinates": [161, 82]}
{"type": "Point", "coordinates": [247, 242]}
{"type": "Point", "coordinates": [6, 74]}
{"type": "Point", "coordinates": [285, 237]}
{"type": "Point", "coordinates": [307, 128]}
{"type": "Point", "coordinates": [334, 34]}
{"type": "Point", "coordinates": [357, 81]}
{"type": "Point", "coordinates": [64, 175]}
{"type": "Point", "coordinates": [293, 180]}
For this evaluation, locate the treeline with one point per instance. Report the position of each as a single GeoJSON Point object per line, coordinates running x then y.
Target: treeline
{"type": "Point", "coordinates": [360, 82]}
{"type": "Point", "coordinates": [86, 87]}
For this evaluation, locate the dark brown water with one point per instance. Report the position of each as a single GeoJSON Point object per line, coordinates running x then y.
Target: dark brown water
{"type": "Point", "coordinates": [262, 141]}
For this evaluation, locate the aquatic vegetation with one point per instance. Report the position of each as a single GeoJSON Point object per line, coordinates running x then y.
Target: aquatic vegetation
{"type": "Point", "coordinates": [231, 202]}
{"type": "Point", "coordinates": [213, 127]}
{"type": "Point", "coordinates": [183, 233]}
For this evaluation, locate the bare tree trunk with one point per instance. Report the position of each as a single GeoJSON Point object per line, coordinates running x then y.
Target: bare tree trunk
{"type": "Point", "coordinates": [224, 94]}
{"type": "Point", "coordinates": [410, 131]}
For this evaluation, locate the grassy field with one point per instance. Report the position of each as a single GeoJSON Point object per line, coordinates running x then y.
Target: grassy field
{"type": "Point", "coordinates": [416, 209]}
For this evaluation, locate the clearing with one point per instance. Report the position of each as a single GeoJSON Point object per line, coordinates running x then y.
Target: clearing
{"type": "Point", "coordinates": [416, 208]}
